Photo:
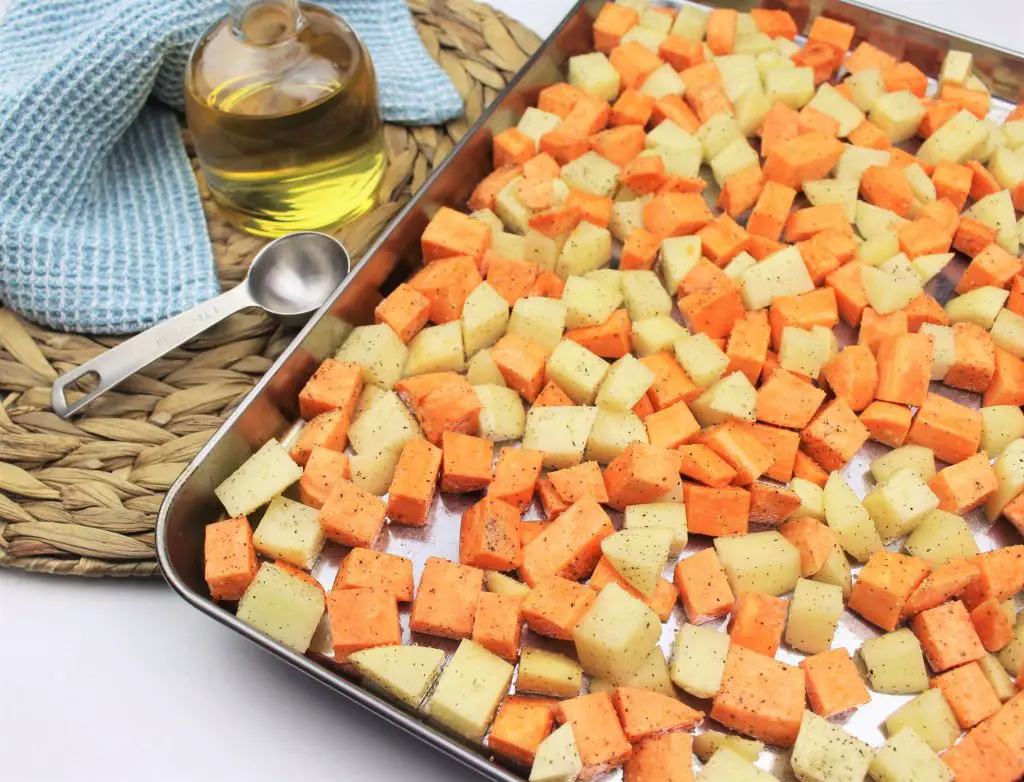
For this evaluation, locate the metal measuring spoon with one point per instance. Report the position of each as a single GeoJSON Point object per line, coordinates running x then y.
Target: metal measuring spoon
{"type": "Point", "coordinates": [290, 278]}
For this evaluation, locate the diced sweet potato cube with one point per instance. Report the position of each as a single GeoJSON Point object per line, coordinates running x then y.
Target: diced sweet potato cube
{"type": "Point", "coordinates": [352, 516]}
{"type": "Point", "coordinates": [757, 622]}
{"type": "Point", "coordinates": [515, 476]}
{"type": "Point", "coordinates": [599, 737]}
{"type": "Point", "coordinates": [884, 585]}
{"type": "Point", "coordinates": [450, 233]}
{"type": "Point", "coordinates": [362, 619]}
{"type": "Point", "coordinates": [833, 683]}
{"type": "Point", "coordinates": [703, 587]}
{"type": "Point", "coordinates": [229, 558]}
{"type": "Point", "coordinates": [467, 462]}
{"type": "Point", "coordinates": [446, 599]}
{"type": "Point", "coordinates": [489, 536]}
{"type": "Point", "coordinates": [760, 697]}
{"type": "Point", "coordinates": [412, 488]}
{"type": "Point", "coordinates": [335, 385]}
{"type": "Point", "coordinates": [570, 546]}
{"type": "Point", "coordinates": [366, 568]}
{"type": "Point", "coordinates": [641, 473]}
{"type": "Point", "coordinates": [520, 726]}
{"type": "Point", "coordinates": [497, 625]}
{"type": "Point", "coordinates": [555, 605]}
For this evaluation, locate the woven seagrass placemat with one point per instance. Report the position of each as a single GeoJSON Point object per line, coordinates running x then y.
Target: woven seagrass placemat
{"type": "Point", "coordinates": [81, 497]}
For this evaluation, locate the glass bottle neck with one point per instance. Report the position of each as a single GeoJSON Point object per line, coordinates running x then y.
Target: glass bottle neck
{"type": "Point", "coordinates": [265, 22]}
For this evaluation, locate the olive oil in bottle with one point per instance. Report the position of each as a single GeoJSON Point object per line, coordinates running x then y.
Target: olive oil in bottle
{"type": "Point", "coordinates": [281, 101]}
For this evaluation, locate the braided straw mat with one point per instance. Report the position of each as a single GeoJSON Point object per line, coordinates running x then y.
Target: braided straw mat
{"type": "Point", "coordinates": [81, 498]}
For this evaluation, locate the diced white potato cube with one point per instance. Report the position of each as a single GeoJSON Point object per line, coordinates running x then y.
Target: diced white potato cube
{"type": "Point", "coordinates": [557, 758]}
{"type": "Point", "coordinates": [730, 398]}
{"type": "Point", "coordinates": [482, 371]}
{"type": "Point", "coordinates": [544, 672]}
{"type": "Point", "coordinates": [922, 187]}
{"type": "Point", "coordinates": [997, 676]}
{"type": "Point", "coordinates": [625, 384]}
{"type": "Point", "coordinates": [895, 663]}
{"type": "Point", "coordinates": [283, 606]}
{"type": "Point", "coordinates": [944, 348]}
{"type": "Point", "coordinates": [668, 135]}
{"type": "Point", "coordinates": [484, 318]}
{"type": "Point", "coordinates": [710, 741]}
{"type": "Point", "coordinates": [437, 349]}
{"type": "Point", "coordinates": [899, 504]}
{"type": "Point", "coordinates": [898, 114]}
{"type": "Point", "coordinates": [738, 266]}
{"type": "Point", "coordinates": [736, 157]}
{"type": "Point", "coordinates": [616, 636]}
{"type": "Point", "coordinates": [812, 499]}
{"type": "Point", "coordinates": [751, 107]}
{"type": "Point", "coordinates": [676, 259]}
{"type": "Point", "coordinates": [836, 571]}
{"type": "Point", "coordinates": [502, 415]}
{"type": "Point", "coordinates": [469, 690]}
{"type": "Point", "coordinates": [560, 433]}
{"type": "Point", "coordinates": [681, 162]}
{"type": "Point", "coordinates": [540, 249]}
{"type": "Point", "coordinates": [826, 753]}
{"type": "Point", "coordinates": [491, 220]}
{"type": "Point", "coordinates": [591, 173]}
{"type": "Point", "coordinates": [866, 86]}
{"type": "Point", "coordinates": [802, 352]}
{"type": "Point", "coordinates": [956, 67]}
{"type": "Point", "coordinates": [814, 614]}
{"type": "Point", "coordinates": [718, 133]}
{"type": "Point", "coordinates": [667, 515]}
{"type": "Point", "coordinates": [662, 82]}
{"type": "Point", "coordinates": [587, 248]}
{"type": "Point", "coordinates": [652, 335]}
{"type": "Point", "coordinates": [611, 433]}
{"type": "Point", "coordinates": [644, 35]}
{"type": "Point", "coordinates": [929, 266]}
{"type": "Point", "coordinates": [993, 135]}
{"type": "Point", "coordinates": [595, 75]}
{"type": "Point", "coordinates": [373, 471]}
{"type": "Point", "coordinates": [1013, 134]}
{"type": "Point", "coordinates": [291, 532]}
{"type": "Point", "coordinates": [577, 371]}
{"type": "Point", "coordinates": [1012, 655]}
{"type": "Point", "coordinates": [821, 192]}
{"type": "Point", "coordinates": [504, 585]}
{"type": "Point", "coordinates": [510, 208]}
{"type": "Point", "coordinates": [262, 476]}
{"type": "Point", "coordinates": [1000, 426]}
{"type": "Point", "coordinates": [907, 757]}
{"type": "Point", "coordinates": [830, 102]}
{"type": "Point", "coordinates": [639, 555]}
{"type": "Point", "coordinates": [653, 19]}
{"type": "Point", "coordinates": [378, 350]}
{"type": "Point", "coordinates": [997, 211]}
{"type": "Point", "coordinates": [1008, 332]}
{"type": "Point", "coordinates": [941, 536]}
{"type": "Point", "coordinates": [872, 220]}
{"type": "Point", "coordinates": [626, 217]}
{"type": "Point", "coordinates": [386, 426]}
{"type": "Point", "coordinates": [957, 141]}
{"type": "Point", "coordinates": [698, 660]}
{"type": "Point", "coordinates": [508, 245]}
{"type": "Point", "coordinates": [793, 87]}
{"type": "Point", "coordinates": [538, 319]}
{"type": "Point", "coordinates": [405, 672]}
{"type": "Point", "coordinates": [980, 306]}
{"type": "Point", "coordinates": [885, 293]}
{"type": "Point", "coordinates": [854, 161]}
{"type": "Point", "coordinates": [915, 458]}
{"type": "Point", "coordinates": [782, 273]}
{"type": "Point", "coordinates": [879, 248]}
{"type": "Point", "coordinates": [739, 74]}
{"type": "Point", "coordinates": [1009, 467]}
{"type": "Point", "coordinates": [759, 562]}
{"type": "Point", "coordinates": [702, 359]}
{"type": "Point", "coordinates": [535, 123]}
{"type": "Point", "coordinates": [756, 43]}
{"type": "Point", "coordinates": [610, 278]}
{"type": "Point", "coordinates": [643, 295]}
{"type": "Point", "coordinates": [587, 302]}
{"type": "Point", "coordinates": [727, 766]}
{"type": "Point", "coordinates": [930, 717]}
{"type": "Point", "coordinates": [845, 513]}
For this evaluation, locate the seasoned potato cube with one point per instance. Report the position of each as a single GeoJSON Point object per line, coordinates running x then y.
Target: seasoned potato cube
{"type": "Point", "coordinates": [535, 123]}
{"type": "Point", "coordinates": [591, 173]}
{"type": "Point", "coordinates": [802, 351]}
{"type": "Point", "coordinates": [899, 504]}
{"type": "Point", "coordinates": [944, 349]}
{"type": "Point", "coordinates": [625, 384]}
{"type": "Point", "coordinates": [997, 211]}
{"type": "Point", "coordinates": [792, 86]}
{"type": "Point", "coordinates": [826, 753]}
{"type": "Point", "coordinates": [386, 426]}
{"type": "Point", "coordinates": [557, 758]}
{"type": "Point", "coordinates": [508, 245]}
{"type": "Point", "coordinates": [956, 67]}
{"type": "Point", "coordinates": [751, 108]}
{"type": "Point", "coordinates": [727, 766]}
{"type": "Point", "coordinates": [929, 266]}
{"type": "Point", "coordinates": [830, 102]}
{"type": "Point", "coordinates": [782, 273]}
{"type": "Point", "coordinates": [560, 433]}
{"type": "Point", "coordinates": [738, 266]}
{"type": "Point", "coordinates": [484, 318]}
{"type": "Point", "coordinates": [1012, 655]}
{"type": "Point", "coordinates": [643, 35]}
{"type": "Point", "coordinates": [922, 187]}
{"type": "Point", "coordinates": [895, 663]}
{"type": "Point", "coordinates": [1009, 467]}
{"type": "Point", "coordinates": [731, 398]}
{"type": "Point", "coordinates": [610, 278]}
{"type": "Point", "coordinates": [739, 74]}
{"type": "Point", "coordinates": [481, 370]}
{"type": "Point", "coordinates": [502, 415]}
{"type": "Point", "coordinates": [627, 216]}
{"type": "Point", "coordinates": [980, 306]}
{"type": "Point", "coordinates": [836, 571]}
{"type": "Point", "coordinates": [821, 192]}
{"type": "Point", "coordinates": [879, 248]}
{"type": "Point", "coordinates": [814, 614]}
{"type": "Point", "coordinates": [845, 513]}
{"type": "Point", "coordinates": [710, 741]}
{"type": "Point", "coordinates": [587, 248]}
{"type": "Point", "coordinates": [941, 536]}
{"type": "Point", "coordinates": [929, 716]}
{"type": "Point", "coordinates": [669, 136]}
{"type": "Point", "coordinates": [1000, 426]}
{"type": "Point", "coordinates": [289, 531]}
{"type": "Point", "coordinates": [594, 74]}
{"type": "Point", "coordinates": [378, 350]}
{"type": "Point", "coordinates": [669, 515]}
{"type": "Point", "coordinates": [698, 660]}
{"type": "Point", "coordinates": [491, 220]}
{"type": "Point", "coordinates": [1008, 332]}
{"type": "Point", "coordinates": [997, 676]}
{"type": "Point", "coordinates": [437, 349]}
{"type": "Point", "coordinates": [283, 606]}
{"type": "Point", "coordinates": [873, 220]}
{"type": "Point", "coordinates": [907, 757]}
{"type": "Point", "coordinates": [404, 672]}
{"type": "Point", "coordinates": [373, 472]}
{"type": "Point", "coordinates": [915, 458]}
{"type": "Point", "coordinates": [540, 249]}
{"type": "Point", "coordinates": [510, 208]}
{"type": "Point", "coordinates": [615, 637]}
{"type": "Point", "coordinates": [691, 22]}
{"type": "Point", "coordinates": [956, 141]}
{"type": "Point", "coordinates": [898, 114]}
{"type": "Point", "coordinates": [587, 302]}
{"type": "Point", "coordinates": [663, 82]}
{"type": "Point", "coordinates": [262, 476]}
{"type": "Point", "coordinates": [469, 690]}
{"type": "Point", "coordinates": [759, 562]}
{"type": "Point", "coordinates": [856, 160]}
{"type": "Point", "coordinates": [866, 87]}
{"type": "Point", "coordinates": [652, 335]}
{"type": "Point", "coordinates": [611, 432]}
{"type": "Point", "coordinates": [643, 295]}
{"type": "Point", "coordinates": [718, 133]}
{"type": "Point", "coordinates": [651, 675]}
{"type": "Point", "coordinates": [736, 157]}
{"type": "Point", "coordinates": [702, 359]}
{"type": "Point", "coordinates": [577, 371]}
{"type": "Point", "coordinates": [538, 319]}
{"type": "Point", "coordinates": [811, 499]}
{"type": "Point", "coordinates": [885, 293]}
{"type": "Point", "coordinates": [548, 673]}
{"type": "Point", "coordinates": [678, 256]}
{"type": "Point", "coordinates": [639, 555]}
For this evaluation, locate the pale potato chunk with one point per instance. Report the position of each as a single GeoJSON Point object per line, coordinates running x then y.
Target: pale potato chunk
{"type": "Point", "coordinates": [372, 471]}
{"type": "Point", "coordinates": [885, 293]}
{"type": "Point", "coordinates": [625, 384]}
{"type": "Point", "coordinates": [854, 161]}
{"type": "Point", "coordinates": [405, 672]}
{"type": "Point", "coordinates": [1009, 467]}
{"type": "Point", "coordinates": [594, 74]}
{"type": "Point", "coordinates": [591, 173]}
{"type": "Point", "coordinates": [262, 476]}
{"type": "Point", "coordinates": [718, 133]}
{"type": "Point", "coordinates": [438, 349]}
{"type": "Point", "coordinates": [895, 663]}
{"type": "Point", "coordinates": [922, 187]}
{"type": "Point", "coordinates": [491, 220]}
{"type": "Point", "coordinates": [906, 757]}
{"type": "Point", "coordinates": [538, 319]}
{"type": "Point", "coordinates": [386, 426]}
{"type": "Point", "coordinates": [738, 266]}
{"type": "Point", "coordinates": [484, 318]}
{"type": "Point", "coordinates": [680, 162]}
{"type": "Point", "coordinates": [739, 74]}
{"type": "Point", "coordinates": [792, 86]}
{"type": "Point", "coordinates": [726, 766]}
{"type": "Point", "coordinates": [736, 157]}
{"type": "Point", "coordinates": [378, 350]}
{"type": "Point", "coordinates": [548, 673]}
{"type": "Point", "coordinates": [510, 208]}
{"type": "Point", "coordinates": [915, 458]}
{"type": "Point", "coordinates": [639, 555]}
{"type": "Point", "coordinates": [508, 245]}
{"type": "Point", "coordinates": [879, 248]}
{"type": "Point", "coordinates": [702, 359]}
{"type": "Point", "coordinates": [929, 266]}
{"type": "Point", "coordinates": [560, 433]}
{"type": "Point", "coordinates": [957, 141]}
{"type": "Point", "coordinates": [1012, 655]}
{"type": "Point", "coordinates": [801, 351]}
{"type": "Point", "coordinates": [535, 123]}
{"type": "Point", "coordinates": [845, 513]}
{"type": "Point", "coordinates": [651, 675]}
{"type": "Point", "coordinates": [557, 758]}
{"type": "Point", "coordinates": [782, 273]}
{"type": "Point", "coordinates": [615, 637]}
{"type": "Point", "coordinates": [610, 278]}
{"type": "Point", "coordinates": [650, 38]}
{"type": "Point", "coordinates": [481, 370]}
{"type": "Point", "coordinates": [587, 302]}
{"type": "Point", "coordinates": [830, 102]}
{"type": "Point", "coordinates": [587, 248]}
{"type": "Point", "coordinates": [759, 562]}
{"type": "Point", "coordinates": [691, 22]}
{"type": "Point", "coordinates": [997, 676]}
{"type": "Point", "coordinates": [710, 741]}
{"type": "Point", "coordinates": [678, 256]}
{"type": "Point", "coordinates": [826, 753]}
{"type": "Point", "coordinates": [540, 249]}
{"type": "Point", "coordinates": [652, 335]}
{"type": "Point", "coordinates": [941, 536]}
{"type": "Point", "coordinates": [668, 515]}
{"type": "Point", "coordinates": [751, 108]}
{"type": "Point", "coordinates": [664, 81]}
{"type": "Point", "coordinates": [997, 211]}
{"type": "Point", "coordinates": [836, 571]}
{"type": "Point", "coordinates": [502, 415]}
{"type": "Point", "coordinates": [814, 614]}
{"type": "Point", "coordinates": [957, 66]}
{"type": "Point", "coordinates": [1000, 426]}
{"type": "Point", "coordinates": [627, 216]}
{"type": "Point", "coordinates": [698, 660]}
{"type": "Point", "coordinates": [291, 532]}
{"type": "Point", "coordinates": [899, 504]}
{"type": "Point", "coordinates": [980, 306]}
{"type": "Point", "coordinates": [655, 20]}
{"type": "Point", "coordinates": [1008, 332]}
{"type": "Point", "coordinates": [811, 499]}
{"type": "Point", "coordinates": [732, 398]}
{"type": "Point", "coordinates": [668, 135]}
{"type": "Point", "coordinates": [866, 87]}
{"type": "Point", "coordinates": [643, 295]}
{"type": "Point", "coordinates": [611, 433]}
{"type": "Point", "coordinates": [944, 349]}
{"type": "Point", "coordinates": [501, 584]}
{"type": "Point", "coordinates": [930, 717]}
{"type": "Point", "coordinates": [469, 690]}
{"type": "Point", "coordinates": [898, 114]}
{"type": "Point", "coordinates": [282, 606]}
{"type": "Point", "coordinates": [577, 371]}
{"type": "Point", "coordinates": [821, 192]}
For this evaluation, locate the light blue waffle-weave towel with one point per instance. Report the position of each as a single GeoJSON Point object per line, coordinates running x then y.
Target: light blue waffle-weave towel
{"type": "Point", "coordinates": [101, 229]}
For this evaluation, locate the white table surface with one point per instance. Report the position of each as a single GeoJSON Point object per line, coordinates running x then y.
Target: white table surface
{"type": "Point", "coordinates": [114, 680]}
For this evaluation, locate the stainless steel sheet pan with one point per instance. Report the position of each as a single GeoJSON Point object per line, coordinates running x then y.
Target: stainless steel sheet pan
{"type": "Point", "coordinates": [270, 410]}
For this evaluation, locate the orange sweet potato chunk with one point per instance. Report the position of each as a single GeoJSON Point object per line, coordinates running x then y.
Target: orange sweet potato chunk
{"type": "Point", "coordinates": [362, 618]}
{"type": "Point", "coordinates": [446, 599]}
{"type": "Point", "coordinates": [229, 558]}
{"type": "Point", "coordinates": [760, 697]}
{"type": "Point", "coordinates": [703, 587]}
{"type": "Point", "coordinates": [366, 568]}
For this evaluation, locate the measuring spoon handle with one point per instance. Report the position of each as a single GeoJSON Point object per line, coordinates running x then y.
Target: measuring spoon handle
{"type": "Point", "coordinates": [112, 367]}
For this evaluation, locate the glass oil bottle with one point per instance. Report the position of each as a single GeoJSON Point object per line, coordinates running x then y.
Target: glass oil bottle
{"type": "Point", "coordinates": [281, 101]}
